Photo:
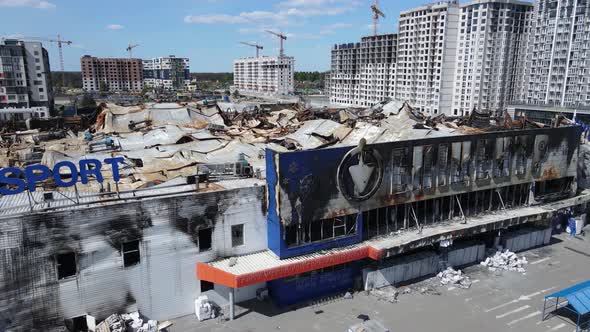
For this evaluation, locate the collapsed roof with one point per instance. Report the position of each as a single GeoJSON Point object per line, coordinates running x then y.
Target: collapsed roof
{"type": "Point", "coordinates": [161, 142]}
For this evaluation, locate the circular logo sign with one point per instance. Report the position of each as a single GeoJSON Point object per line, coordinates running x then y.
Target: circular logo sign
{"type": "Point", "coordinates": [360, 173]}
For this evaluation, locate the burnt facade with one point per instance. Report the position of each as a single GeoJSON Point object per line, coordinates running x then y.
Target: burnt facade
{"type": "Point", "coordinates": [318, 201]}
{"type": "Point", "coordinates": [97, 260]}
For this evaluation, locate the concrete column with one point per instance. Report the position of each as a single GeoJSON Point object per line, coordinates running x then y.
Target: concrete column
{"type": "Point", "coordinates": [231, 304]}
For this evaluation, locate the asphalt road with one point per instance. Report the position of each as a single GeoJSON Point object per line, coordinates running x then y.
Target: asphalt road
{"type": "Point", "coordinates": [498, 301]}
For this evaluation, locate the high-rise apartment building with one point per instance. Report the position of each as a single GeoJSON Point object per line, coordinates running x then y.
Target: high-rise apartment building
{"type": "Point", "coordinates": [265, 75]}
{"type": "Point", "coordinates": [111, 74]}
{"type": "Point", "coordinates": [427, 46]}
{"type": "Point", "coordinates": [559, 52]}
{"type": "Point", "coordinates": [491, 54]}
{"type": "Point", "coordinates": [25, 79]}
{"type": "Point", "coordinates": [169, 73]}
{"type": "Point", "coordinates": [361, 73]}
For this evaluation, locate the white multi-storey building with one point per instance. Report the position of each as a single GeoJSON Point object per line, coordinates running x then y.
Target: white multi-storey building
{"type": "Point", "coordinates": [265, 75]}
{"type": "Point", "coordinates": [25, 80]}
{"type": "Point", "coordinates": [426, 56]}
{"type": "Point", "coordinates": [361, 73]}
{"type": "Point", "coordinates": [169, 73]}
{"type": "Point", "coordinates": [491, 54]}
{"type": "Point", "coordinates": [559, 53]}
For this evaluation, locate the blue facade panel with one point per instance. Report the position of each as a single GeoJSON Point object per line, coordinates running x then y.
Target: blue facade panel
{"type": "Point", "coordinates": [275, 231]}
{"type": "Point", "coordinates": [273, 228]}
{"type": "Point", "coordinates": [286, 291]}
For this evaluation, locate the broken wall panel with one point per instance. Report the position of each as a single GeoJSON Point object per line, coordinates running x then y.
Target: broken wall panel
{"type": "Point", "coordinates": [162, 284]}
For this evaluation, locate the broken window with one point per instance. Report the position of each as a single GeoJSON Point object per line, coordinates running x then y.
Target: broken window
{"type": "Point", "coordinates": [520, 156]}
{"type": "Point", "coordinates": [427, 167]}
{"type": "Point", "coordinates": [503, 155]}
{"type": "Point", "coordinates": [205, 238]}
{"type": "Point", "coordinates": [130, 252]}
{"type": "Point", "coordinates": [418, 166]}
{"type": "Point", "coordinates": [443, 154]}
{"type": "Point", "coordinates": [399, 170]}
{"type": "Point", "coordinates": [66, 265]}
{"type": "Point", "coordinates": [483, 159]}
{"type": "Point", "coordinates": [206, 285]}
{"type": "Point", "coordinates": [318, 230]}
{"type": "Point", "coordinates": [237, 235]}
{"type": "Point", "coordinates": [76, 324]}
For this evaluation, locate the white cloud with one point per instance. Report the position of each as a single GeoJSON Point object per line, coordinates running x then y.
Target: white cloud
{"type": "Point", "coordinates": [305, 3]}
{"type": "Point", "coordinates": [39, 4]}
{"type": "Point", "coordinates": [290, 9]}
{"type": "Point", "coordinates": [330, 29]}
{"type": "Point", "coordinates": [214, 18]}
{"type": "Point", "coordinates": [13, 36]}
{"type": "Point", "coordinates": [115, 27]}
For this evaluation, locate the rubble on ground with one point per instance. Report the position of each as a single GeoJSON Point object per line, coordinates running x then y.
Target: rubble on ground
{"type": "Point", "coordinates": [454, 277]}
{"type": "Point", "coordinates": [129, 322]}
{"type": "Point", "coordinates": [388, 294]}
{"type": "Point", "coordinates": [505, 260]}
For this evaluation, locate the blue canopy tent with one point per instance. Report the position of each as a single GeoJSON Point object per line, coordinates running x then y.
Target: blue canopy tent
{"type": "Point", "coordinates": [575, 299]}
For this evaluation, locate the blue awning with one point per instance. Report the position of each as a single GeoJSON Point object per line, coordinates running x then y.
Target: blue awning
{"type": "Point", "coordinates": [578, 296]}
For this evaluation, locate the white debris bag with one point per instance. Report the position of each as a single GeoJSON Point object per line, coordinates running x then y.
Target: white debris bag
{"type": "Point", "coordinates": [454, 277]}
{"type": "Point", "coordinates": [505, 260]}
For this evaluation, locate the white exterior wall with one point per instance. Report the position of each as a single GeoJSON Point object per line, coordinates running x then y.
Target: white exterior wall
{"type": "Point", "coordinates": [426, 56]}
{"type": "Point", "coordinates": [491, 55]}
{"type": "Point", "coordinates": [36, 70]}
{"type": "Point", "coordinates": [265, 76]}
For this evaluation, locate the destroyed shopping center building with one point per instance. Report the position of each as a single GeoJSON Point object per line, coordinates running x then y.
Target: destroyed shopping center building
{"type": "Point", "coordinates": [300, 203]}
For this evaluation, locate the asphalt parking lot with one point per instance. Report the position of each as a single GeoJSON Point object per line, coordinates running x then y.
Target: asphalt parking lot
{"type": "Point", "coordinates": [496, 301]}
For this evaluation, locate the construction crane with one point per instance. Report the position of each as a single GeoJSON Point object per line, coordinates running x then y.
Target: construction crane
{"type": "Point", "coordinates": [376, 13]}
{"type": "Point", "coordinates": [130, 48]}
{"type": "Point", "coordinates": [281, 37]}
{"type": "Point", "coordinates": [60, 42]}
{"type": "Point", "coordinates": [258, 47]}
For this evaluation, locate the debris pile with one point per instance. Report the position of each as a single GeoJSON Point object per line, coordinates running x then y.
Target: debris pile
{"type": "Point", "coordinates": [388, 294]}
{"type": "Point", "coordinates": [129, 322]}
{"type": "Point", "coordinates": [454, 277]}
{"type": "Point", "coordinates": [505, 260]}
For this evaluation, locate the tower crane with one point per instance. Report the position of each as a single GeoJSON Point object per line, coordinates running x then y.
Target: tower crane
{"type": "Point", "coordinates": [130, 48]}
{"type": "Point", "coordinates": [281, 38]}
{"type": "Point", "coordinates": [258, 47]}
{"type": "Point", "coordinates": [60, 42]}
{"type": "Point", "coordinates": [376, 13]}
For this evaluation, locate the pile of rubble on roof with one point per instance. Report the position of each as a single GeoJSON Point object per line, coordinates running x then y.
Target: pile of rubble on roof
{"type": "Point", "coordinates": [454, 277]}
{"type": "Point", "coordinates": [505, 260]}
{"type": "Point", "coordinates": [161, 142]}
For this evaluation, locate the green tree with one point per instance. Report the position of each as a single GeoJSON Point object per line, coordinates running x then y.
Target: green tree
{"type": "Point", "coordinates": [236, 94]}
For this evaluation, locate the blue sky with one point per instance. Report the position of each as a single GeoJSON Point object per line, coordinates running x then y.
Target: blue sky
{"type": "Point", "coordinates": [206, 31]}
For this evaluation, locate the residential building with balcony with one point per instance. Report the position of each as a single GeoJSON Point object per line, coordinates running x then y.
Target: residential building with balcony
{"type": "Point", "coordinates": [558, 54]}
{"type": "Point", "coordinates": [426, 51]}
{"type": "Point", "coordinates": [265, 75]}
{"type": "Point", "coordinates": [25, 80]}
{"type": "Point", "coordinates": [361, 73]}
{"type": "Point", "coordinates": [114, 74]}
{"type": "Point", "coordinates": [491, 54]}
{"type": "Point", "coordinates": [169, 73]}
